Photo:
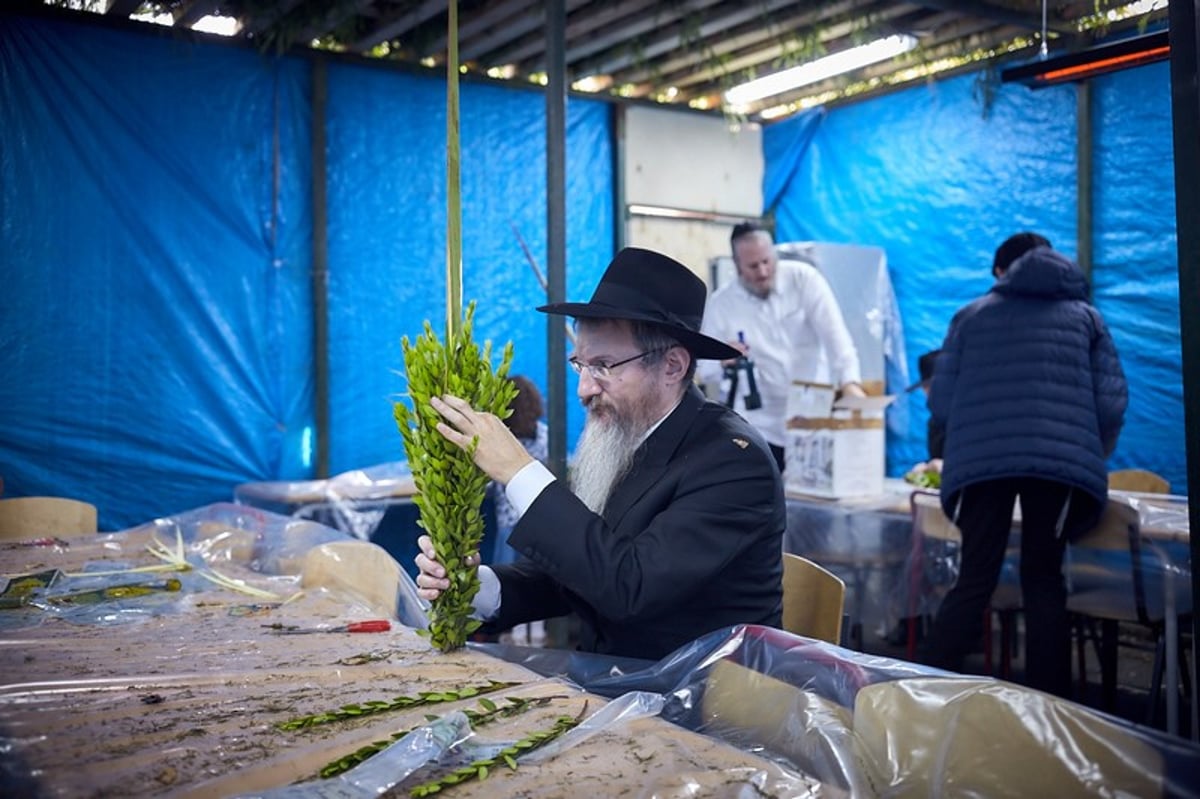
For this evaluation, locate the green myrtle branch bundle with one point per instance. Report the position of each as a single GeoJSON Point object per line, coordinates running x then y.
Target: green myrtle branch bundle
{"type": "Point", "coordinates": [508, 756]}
{"type": "Point", "coordinates": [399, 703]}
{"type": "Point", "coordinates": [478, 718]}
{"type": "Point", "coordinates": [450, 487]}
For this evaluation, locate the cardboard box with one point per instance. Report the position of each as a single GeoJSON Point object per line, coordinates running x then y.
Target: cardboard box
{"type": "Point", "coordinates": [840, 455]}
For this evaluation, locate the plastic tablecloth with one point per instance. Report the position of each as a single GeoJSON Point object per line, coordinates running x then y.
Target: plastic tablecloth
{"type": "Point", "coordinates": [199, 690]}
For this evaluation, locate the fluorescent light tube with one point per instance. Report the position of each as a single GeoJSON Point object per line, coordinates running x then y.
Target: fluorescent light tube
{"type": "Point", "coordinates": [822, 68]}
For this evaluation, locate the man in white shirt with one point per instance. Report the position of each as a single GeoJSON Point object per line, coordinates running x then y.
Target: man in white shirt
{"type": "Point", "coordinates": [783, 316]}
{"type": "Point", "coordinates": [672, 526]}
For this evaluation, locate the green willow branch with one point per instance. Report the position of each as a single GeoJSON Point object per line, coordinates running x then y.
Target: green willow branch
{"type": "Point", "coordinates": [491, 712]}
{"type": "Point", "coordinates": [377, 706]}
{"type": "Point", "coordinates": [508, 756]}
{"type": "Point", "coordinates": [450, 487]}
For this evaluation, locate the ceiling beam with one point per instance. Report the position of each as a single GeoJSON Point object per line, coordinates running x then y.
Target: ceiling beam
{"type": "Point", "coordinates": [647, 22]}
{"type": "Point", "coordinates": [755, 47]}
{"type": "Point", "coordinates": [839, 34]}
{"type": "Point", "coordinates": [260, 22]}
{"type": "Point", "coordinates": [189, 14]}
{"type": "Point", "coordinates": [122, 8]}
{"type": "Point", "coordinates": [593, 30]}
{"type": "Point", "coordinates": [331, 19]}
{"type": "Point", "coordinates": [475, 23]}
{"type": "Point", "coordinates": [1004, 16]}
{"type": "Point", "coordinates": [399, 23]}
{"type": "Point", "coordinates": [628, 66]}
{"type": "Point", "coordinates": [493, 44]}
{"type": "Point", "coordinates": [974, 35]}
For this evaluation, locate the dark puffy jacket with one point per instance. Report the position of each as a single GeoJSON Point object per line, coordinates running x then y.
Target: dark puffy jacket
{"type": "Point", "coordinates": [1028, 383]}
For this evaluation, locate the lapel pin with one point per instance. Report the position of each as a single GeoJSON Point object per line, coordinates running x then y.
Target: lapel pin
{"type": "Point", "coordinates": [741, 442]}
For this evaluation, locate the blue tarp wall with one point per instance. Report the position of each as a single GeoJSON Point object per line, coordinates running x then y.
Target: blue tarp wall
{"type": "Point", "coordinates": [939, 175]}
{"type": "Point", "coordinates": [155, 245]}
{"type": "Point", "coordinates": [156, 324]}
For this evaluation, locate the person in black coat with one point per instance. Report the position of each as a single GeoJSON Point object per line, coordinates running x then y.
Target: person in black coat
{"type": "Point", "coordinates": [673, 522]}
{"type": "Point", "coordinates": [1031, 395]}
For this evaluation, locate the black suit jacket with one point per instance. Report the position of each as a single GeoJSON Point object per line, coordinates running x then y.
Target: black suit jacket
{"type": "Point", "coordinates": [690, 542]}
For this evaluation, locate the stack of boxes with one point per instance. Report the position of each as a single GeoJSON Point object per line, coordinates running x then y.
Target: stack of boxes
{"type": "Point", "coordinates": [835, 448]}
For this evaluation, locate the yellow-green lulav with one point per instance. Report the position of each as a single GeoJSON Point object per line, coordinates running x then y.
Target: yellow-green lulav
{"type": "Point", "coordinates": [450, 487]}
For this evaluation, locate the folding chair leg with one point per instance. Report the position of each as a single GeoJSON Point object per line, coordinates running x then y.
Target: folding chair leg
{"type": "Point", "coordinates": [1156, 678]}
{"type": "Point", "coordinates": [1081, 654]}
{"type": "Point", "coordinates": [987, 640]}
{"type": "Point", "coordinates": [1007, 634]}
{"type": "Point", "coordinates": [1108, 663]}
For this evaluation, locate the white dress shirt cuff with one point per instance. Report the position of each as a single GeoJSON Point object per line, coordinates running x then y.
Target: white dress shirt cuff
{"type": "Point", "coordinates": [487, 600]}
{"type": "Point", "coordinates": [527, 485]}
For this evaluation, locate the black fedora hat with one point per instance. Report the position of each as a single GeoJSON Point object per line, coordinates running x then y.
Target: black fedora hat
{"type": "Point", "coordinates": [925, 365]}
{"type": "Point", "coordinates": [647, 286]}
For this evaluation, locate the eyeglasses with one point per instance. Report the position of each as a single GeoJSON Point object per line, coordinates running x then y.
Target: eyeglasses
{"type": "Point", "coordinates": [603, 371]}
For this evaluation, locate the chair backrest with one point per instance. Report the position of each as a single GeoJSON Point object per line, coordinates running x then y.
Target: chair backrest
{"type": "Point", "coordinates": [360, 568]}
{"type": "Point", "coordinates": [929, 520]}
{"type": "Point", "coordinates": [813, 600]}
{"type": "Point", "coordinates": [974, 736]}
{"type": "Point", "coordinates": [1116, 528]}
{"type": "Point", "coordinates": [30, 517]}
{"type": "Point", "coordinates": [1138, 480]}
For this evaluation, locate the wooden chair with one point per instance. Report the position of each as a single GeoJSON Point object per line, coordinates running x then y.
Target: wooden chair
{"type": "Point", "coordinates": [1138, 480]}
{"type": "Point", "coordinates": [813, 600]}
{"type": "Point", "coordinates": [32, 517]}
{"type": "Point", "coordinates": [1128, 587]}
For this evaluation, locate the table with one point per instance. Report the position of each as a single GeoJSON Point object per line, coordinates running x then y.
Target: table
{"type": "Point", "coordinates": [1107, 576]}
{"type": "Point", "coordinates": [373, 504]}
{"type": "Point", "coordinates": [865, 541]}
{"type": "Point", "coordinates": [183, 691]}
{"type": "Point", "coordinates": [187, 692]}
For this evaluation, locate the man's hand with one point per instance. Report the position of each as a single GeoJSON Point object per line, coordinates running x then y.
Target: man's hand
{"type": "Point", "coordinates": [852, 390]}
{"type": "Point", "coordinates": [431, 582]}
{"type": "Point", "coordinates": [499, 453]}
{"type": "Point", "coordinates": [741, 347]}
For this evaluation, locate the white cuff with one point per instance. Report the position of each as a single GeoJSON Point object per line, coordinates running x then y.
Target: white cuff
{"type": "Point", "coordinates": [487, 600]}
{"type": "Point", "coordinates": [527, 485]}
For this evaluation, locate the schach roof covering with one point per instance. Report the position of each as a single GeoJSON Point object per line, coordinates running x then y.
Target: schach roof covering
{"type": "Point", "coordinates": [681, 52]}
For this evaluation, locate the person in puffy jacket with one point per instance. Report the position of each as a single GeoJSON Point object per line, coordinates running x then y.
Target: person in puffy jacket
{"type": "Point", "coordinates": [1031, 395]}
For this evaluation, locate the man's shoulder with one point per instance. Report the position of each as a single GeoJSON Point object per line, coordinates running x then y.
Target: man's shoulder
{"type": "Point", "coordinates": [727, 292]}
{"type": "Point", "coordinates": [718, 425]}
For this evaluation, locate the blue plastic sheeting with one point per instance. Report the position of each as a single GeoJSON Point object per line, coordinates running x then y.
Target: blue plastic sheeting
{"type": "Point", "coordinates": [939, 175]}
{"type": "Point", "coordinates": [156, 317]}
{"type": "Point", "coordinates": [1136, 271]}
{"type": "Point", "coordinates": [387, 222]}
{"type": "Point", "coordinates": [154, 331]}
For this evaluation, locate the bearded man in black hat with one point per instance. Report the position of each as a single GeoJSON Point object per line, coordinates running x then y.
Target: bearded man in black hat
{"type": "Point", "coordinates": [672, 526]}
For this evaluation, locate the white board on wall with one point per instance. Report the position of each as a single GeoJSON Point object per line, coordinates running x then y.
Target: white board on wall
{"type": "Point", "coordinates": [689, 162]}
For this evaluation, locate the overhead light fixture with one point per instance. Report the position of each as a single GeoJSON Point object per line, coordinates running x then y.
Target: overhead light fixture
{"type": "Point", "coordinates": [1133, 52]}
{"type": "Point", "coordinates": [824, 67]}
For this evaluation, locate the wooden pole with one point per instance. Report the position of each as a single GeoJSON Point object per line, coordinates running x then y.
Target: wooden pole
{"type": "Point", "coordinates": [453, 187]}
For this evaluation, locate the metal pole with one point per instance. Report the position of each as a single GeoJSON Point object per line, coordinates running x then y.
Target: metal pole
{"type": "Point", "coordinates": [320, 270]}
{"type": "Point", "coordinates": [1185, 113]}
{"type": "Point", "coordinates": [556, 229]}
{"type": "Point", "coordinates": [621, 228]}
{"type": "Point", "coordinates": [1083, 178]}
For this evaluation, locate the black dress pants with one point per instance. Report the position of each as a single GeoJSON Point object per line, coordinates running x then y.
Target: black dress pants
{"type": "Point", "coordinates": [1047, 521]}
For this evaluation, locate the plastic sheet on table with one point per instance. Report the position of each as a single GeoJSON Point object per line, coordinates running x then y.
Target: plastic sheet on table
{"type": "Point", "coordinates": [216, 546]}
{"type": "Point", "coordinates": [353, 501]}
{"type": "Point", "coordinates": [875, 726]}
{"type": "Point", "coordinates": [387, 769]}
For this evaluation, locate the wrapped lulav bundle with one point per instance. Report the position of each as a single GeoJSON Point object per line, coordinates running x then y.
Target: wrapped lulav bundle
{"type": "Point", "coordinates": [450, 487]}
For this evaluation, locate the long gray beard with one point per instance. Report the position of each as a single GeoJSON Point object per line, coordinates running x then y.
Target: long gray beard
{"type": "Point", "coordinates": [603, 457]}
